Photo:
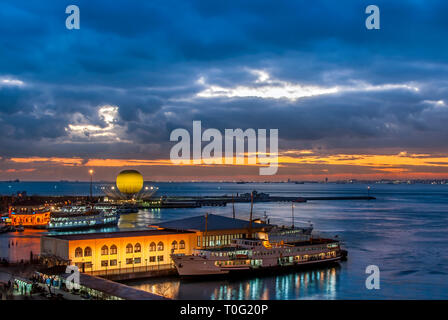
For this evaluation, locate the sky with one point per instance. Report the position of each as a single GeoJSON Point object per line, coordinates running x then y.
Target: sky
{"type": "Point", "coordinates": [349, 103]}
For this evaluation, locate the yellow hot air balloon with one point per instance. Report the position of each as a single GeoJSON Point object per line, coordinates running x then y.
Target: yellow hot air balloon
{"type": "Point", "coordinates": [129, 181]}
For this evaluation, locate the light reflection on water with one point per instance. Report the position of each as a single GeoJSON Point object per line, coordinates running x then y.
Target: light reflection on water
{"type": "Point", "coordinates": [310, 284]}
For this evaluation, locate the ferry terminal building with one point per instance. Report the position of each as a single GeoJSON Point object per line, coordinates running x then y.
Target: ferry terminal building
{"type": "Point", "coordinates": [134, 251]}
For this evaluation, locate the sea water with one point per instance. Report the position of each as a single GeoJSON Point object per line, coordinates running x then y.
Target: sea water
{"type": "Point", "coordinates": [403, 232]}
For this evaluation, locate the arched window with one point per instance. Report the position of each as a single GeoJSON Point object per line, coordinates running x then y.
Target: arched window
{"type": "Point", "coordinates": [174, 245]}
{"type": "Point", "coordinates": [87, 252]}
{"type": "Point", "coordinates": [129, 248]}
{"type": "Point", "coordinates": [152, 246]}
{"type": "Point", "coordinates": [113, 249]}
{"type": "Point", "coordinates": [138, 247]}
{"type": "Point", "coordinates": [78, 252]}
{"type": "Point", "coordinates": [160, 246]}
{"type": "Point", "coordinates": [104, 250]}
{"type": "Point", "coordinates": [182, 244]}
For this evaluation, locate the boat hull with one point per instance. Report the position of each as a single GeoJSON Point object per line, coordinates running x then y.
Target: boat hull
{"type": "Point", "coordinates": [197, 269]}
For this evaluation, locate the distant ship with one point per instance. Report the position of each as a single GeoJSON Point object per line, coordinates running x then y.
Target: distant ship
{"type": "Point", "coordinates": [284, 248]}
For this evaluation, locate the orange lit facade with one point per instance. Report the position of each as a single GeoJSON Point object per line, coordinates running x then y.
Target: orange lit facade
{"type": "Point", "coordinates": [30, 216]}
{"type": "Point", "coordinates": [131, 251]}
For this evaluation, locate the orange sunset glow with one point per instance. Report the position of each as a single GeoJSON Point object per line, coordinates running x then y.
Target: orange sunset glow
{"type": "Point", "coordinates": [297, 164]}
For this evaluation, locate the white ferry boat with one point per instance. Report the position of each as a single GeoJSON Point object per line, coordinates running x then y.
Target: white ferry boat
{"type": "Point", "coordinates": [283, 248]}
{"type": "Point", "coordinates": [77, 218]}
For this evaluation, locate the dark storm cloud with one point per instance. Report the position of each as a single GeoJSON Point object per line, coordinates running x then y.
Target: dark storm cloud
{"type": "Point", "coordinates": [146, 57]}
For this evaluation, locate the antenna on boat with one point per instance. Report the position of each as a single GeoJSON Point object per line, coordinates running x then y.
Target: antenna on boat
{"type": "Point", "coordinates": [292, 213]}
{"type": "Point", "coordinates": [233, 206]}
{"type": "Point", "coordinates": [205, 233]}
{"type": "Point", "coordinates": [250, 217]}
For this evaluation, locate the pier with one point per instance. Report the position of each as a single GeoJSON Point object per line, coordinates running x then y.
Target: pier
{"type": "Point", "coordinates": [165, 202]}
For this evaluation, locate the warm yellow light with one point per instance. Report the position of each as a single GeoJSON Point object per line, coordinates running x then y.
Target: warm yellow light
{"type": "Point", "coordinates": [129, 181]}
{"type": "Point", "coordinates": [91, 171]}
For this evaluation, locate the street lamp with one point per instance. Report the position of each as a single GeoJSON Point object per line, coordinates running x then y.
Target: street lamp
{"type": "Point", "coordinates": [91, 182]}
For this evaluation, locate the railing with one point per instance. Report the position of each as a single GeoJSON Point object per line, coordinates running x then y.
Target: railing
{"type": "Point", "coordinates": [118, 271]}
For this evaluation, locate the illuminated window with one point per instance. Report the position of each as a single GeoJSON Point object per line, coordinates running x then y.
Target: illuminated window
{"type": "Point", "coordinates": [182, 244]}
{"type": "Point", "coordinates": [113, 263]}
{"type": "Point", "coordinates": [87, 252]}
{"type": "Point", "coordinates": [129, 248]}
{"type": "Point", "coordinates": [78, 252]}
{"type": "Point", "coordinates": [129, 261]}
{"type": "Point", "coordinates": [137, 260]}
{"type": "Point", "coordinates": [152, 246]}
{"type": "Point", "coordinates": [152, 259]}
{"type": "Point", "coordinates": [104, 263]}
{"type": "Point", "coordinates": [160, 246]}
{"type": "Point", "coordinates": [138, 247]}
{"type": "Point", "coordinates": [174, 245]}
{"type": "Point", "coordinates": [160, 258]}
{"type": "Point", "coordinates": [113, 249]}
{"type": "Point", "coordinates": [104, 250]}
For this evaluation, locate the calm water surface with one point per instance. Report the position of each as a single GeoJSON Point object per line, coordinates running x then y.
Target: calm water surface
{"type": "Point", "coordinates": [403, 232]}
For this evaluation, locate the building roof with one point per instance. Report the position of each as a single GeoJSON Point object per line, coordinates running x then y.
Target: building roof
{"type": "Point", "coordinates": [214, 222]}
{"type": "Point", "coordinates": [115, 288]}
{"type": "Point", "coordinates": [117, 234]}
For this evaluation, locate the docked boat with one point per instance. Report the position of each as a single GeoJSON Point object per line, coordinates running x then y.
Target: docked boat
{"type": "Point", "coordinates": [276, 248]}
{"type": "Point", "coordinates": [75, 218]}
{"type": "Point", "coordinates": [282, 248]}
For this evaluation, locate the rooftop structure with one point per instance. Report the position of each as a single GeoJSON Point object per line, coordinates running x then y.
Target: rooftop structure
{"type": "Point", "coordinates": [118, 234]}
{"type": "Point", "coordinates": [214, 223]}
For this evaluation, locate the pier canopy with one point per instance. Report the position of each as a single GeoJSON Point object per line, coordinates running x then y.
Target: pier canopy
{"type": "Point", "coordinates": [214, 223]}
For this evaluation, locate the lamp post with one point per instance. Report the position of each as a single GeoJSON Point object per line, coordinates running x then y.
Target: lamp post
{"type": "Point", "coordinates": [368, 191]}
{"type": "Point", "coordinates": [146, 262]}
{"type": "Point", "coordinates": [91, 183]}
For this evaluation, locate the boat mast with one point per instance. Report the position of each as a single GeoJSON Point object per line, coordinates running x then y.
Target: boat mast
{"type": "Point", "coordinates": [233, 206]}
{"type": "Point", "coordinates": [292, 213]}
{"type": "Point", "coordinates": [205, 233]}
{"type": "Point", "coordinates": [250, 217]}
